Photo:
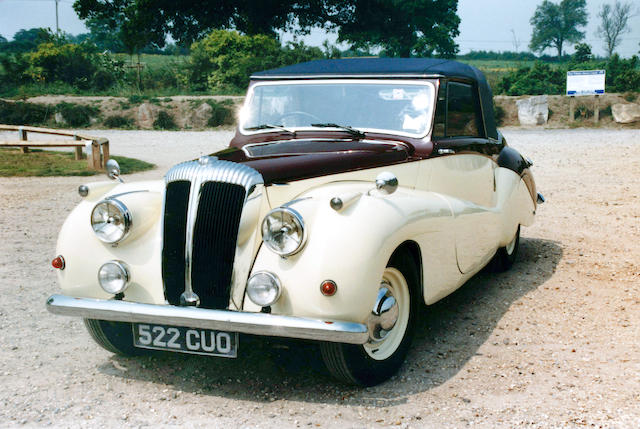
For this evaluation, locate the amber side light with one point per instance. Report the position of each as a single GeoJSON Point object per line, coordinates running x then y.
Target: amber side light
{"type": "Point", "coordinates": [328, 288]}
{"type": "Point", "coordinates": [58, 262]}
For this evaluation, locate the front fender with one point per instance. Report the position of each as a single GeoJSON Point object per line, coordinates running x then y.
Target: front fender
{"type": "Point", "coordinates": [84, 253]}
{"type": "Point", "coordinates": [351, 247]}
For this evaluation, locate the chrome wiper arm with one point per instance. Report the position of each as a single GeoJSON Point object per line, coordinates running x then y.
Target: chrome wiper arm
{"type": "Point", "coordinates": [271, 127]}
{"type": "Point", "coordinates": [355, 133]}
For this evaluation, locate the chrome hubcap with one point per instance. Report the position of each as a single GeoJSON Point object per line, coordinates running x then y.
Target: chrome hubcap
{"type": "Point", "coordinates": [384, 314]}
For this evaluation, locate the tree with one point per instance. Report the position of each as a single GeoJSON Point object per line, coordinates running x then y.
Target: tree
{"type": "Point", "coordinates": [614, 21]}
{"type": "Point", "coordinates": [104, 35]}
{"type": "Point", "coordinates": [27, 40]}
{"type": "Point", "coordinates": [136, 23]}
{"type": "Point", "coordinates": [401, 28]}
{"type": "Point", "coordinates": [557, 24]}
{"type": "Point", "coordinates": [398, 27]}
{"type": "Point", "coordinates": [582, 53]}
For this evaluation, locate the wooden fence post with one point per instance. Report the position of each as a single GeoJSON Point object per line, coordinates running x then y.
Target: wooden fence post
{"type": "Point", "coordinates": [105, 153]}
{"type": "Point", "coordinates": [79, 154]}
{"type": "Point", "coordinates": [572, 108]}
{"type": "Point", "coordinates": [596, 109]}
{"type": "Point", "coordinates": [22, 135]}
{"type": "Point", "coordinates": [94, 162]}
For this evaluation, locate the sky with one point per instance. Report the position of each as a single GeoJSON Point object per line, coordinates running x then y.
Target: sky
{"type": "Point", "coordinates": [497, 25]}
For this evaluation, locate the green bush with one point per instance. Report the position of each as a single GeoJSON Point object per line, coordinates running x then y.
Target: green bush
{"type": "Point", "coordinates": [583, 112]}
{"type": "Point", "coordinates": [226, 59]}
{"type": "Point", "coordinates": [22, 113]}
{"type": "Point", "coordinates": [222, 113]}
{"type": "Point", "coordinates": [77, 115]}
{"type": "Point", "coordinates": [117, 121]}
{"type": "Point", "coordinates": [537, 80]}
{"type": "Point", "coordinates": [136, 99]}
{"type": "Point", "coordinates": [623, 75]}
{"type": "Point", "coordinates": [164, 121]}
{"type": "Point", "coordinates": [69, 63]}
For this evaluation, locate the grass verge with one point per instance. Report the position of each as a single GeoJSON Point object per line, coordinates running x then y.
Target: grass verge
{"type": "Point", "coordinates": [54, 163]}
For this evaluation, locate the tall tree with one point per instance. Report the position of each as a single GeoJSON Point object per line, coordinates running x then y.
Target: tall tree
{"type": "Point", "coordinates": [398, 27]}
{"type": "Point", "coordinates": [614, 22]}
{"type": "Point", "coordinates": [401, 28]}
{"type": "Point", "coordinates": [557, 24]}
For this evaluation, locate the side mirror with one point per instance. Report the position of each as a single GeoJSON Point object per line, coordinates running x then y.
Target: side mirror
{"type": "Point", "coordinates": [386, 183]}
{"type": "Point", "coordinates": [113, 170]}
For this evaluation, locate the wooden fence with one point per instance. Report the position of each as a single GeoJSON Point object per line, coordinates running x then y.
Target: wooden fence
{"type": "Point", "coordinates": [96, 160]}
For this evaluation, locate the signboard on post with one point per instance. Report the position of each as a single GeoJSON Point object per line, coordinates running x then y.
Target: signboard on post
{"type": "Point", "coordinates": [585, 82]}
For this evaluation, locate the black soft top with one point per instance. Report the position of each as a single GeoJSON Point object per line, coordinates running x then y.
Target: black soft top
{"type": "Point", "coordinates": [391, 67]}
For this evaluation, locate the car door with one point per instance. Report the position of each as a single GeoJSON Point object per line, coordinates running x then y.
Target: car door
{"type": "Point", "coordinates": [463, 169]}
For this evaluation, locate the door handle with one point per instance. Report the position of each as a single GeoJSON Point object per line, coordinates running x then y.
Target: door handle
{"type": "Point", "coordinates": [446, 151]}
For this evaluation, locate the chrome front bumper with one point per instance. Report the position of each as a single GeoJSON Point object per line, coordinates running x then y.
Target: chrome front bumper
{"type": "Point", "coordinates": [223, 320]}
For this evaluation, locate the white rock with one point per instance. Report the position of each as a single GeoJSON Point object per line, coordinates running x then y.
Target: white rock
{"type": "Point", "coordinates": [625, 113]}
{"type": "Point", "coordinates": [147, 113]}
{"type": "Point", "coordinates": [59, 119]}
{"type": "Point", "coordinates": [200, 117]}
{"type": "Point", "coordinates": [533, 110]}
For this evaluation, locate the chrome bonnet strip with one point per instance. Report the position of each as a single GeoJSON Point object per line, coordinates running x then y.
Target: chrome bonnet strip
{"type": "Point", "coordinates": [234, 321]}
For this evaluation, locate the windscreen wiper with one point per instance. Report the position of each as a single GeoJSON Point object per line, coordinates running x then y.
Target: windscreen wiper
{"type": "Point", "coordinates": [271, 127]}
{"type": "Point", "coordinates": [355, 133]}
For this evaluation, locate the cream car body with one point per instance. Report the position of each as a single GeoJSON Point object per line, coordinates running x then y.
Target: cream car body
{"type": "Point", "coordinates": [368, 199]}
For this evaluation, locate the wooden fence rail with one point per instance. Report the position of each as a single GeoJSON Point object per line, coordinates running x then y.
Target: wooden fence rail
{"type": "Point", "coordinates": [99, 145]}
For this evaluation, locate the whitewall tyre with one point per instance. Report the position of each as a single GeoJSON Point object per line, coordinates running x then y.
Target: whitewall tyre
{"type": "Point", "coordinates": [506, 256]}
{"type": "Point", "coordinates": [390, 330]}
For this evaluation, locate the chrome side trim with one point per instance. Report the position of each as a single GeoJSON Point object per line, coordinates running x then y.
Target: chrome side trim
{"type": "Point", "coordinates": [198, 172]}
{"type": "Point", "coordinates": [234, 321]}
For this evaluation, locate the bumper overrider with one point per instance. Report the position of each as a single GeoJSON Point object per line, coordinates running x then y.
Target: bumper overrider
{"type": "Point", "coordinates": [223, 320]}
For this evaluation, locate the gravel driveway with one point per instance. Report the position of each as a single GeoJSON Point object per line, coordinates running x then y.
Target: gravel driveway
{"type": "Point", "coordinates": [555, 342]}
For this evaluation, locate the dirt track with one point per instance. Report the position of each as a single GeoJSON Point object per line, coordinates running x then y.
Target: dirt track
{"type": "Point", "coordinates": [553, 343]}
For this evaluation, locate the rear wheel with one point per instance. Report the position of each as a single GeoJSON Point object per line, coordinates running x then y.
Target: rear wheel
{"type": "Point", "coordinates": [390, 330]}
{"type": "Point", "coordinates": [506, 256]}
{"type": "Point", "coordinates": [116, 337]}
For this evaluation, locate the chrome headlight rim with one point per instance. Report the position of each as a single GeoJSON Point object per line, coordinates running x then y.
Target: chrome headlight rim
{"type": "Point", "coordinates": [297, 217]}
{"type": "Point", "coordinates": [123, 268]}
{"type": "Point", "coordinates": [275, 281]}
{"type": "Point", "coordinates": [126, 218]}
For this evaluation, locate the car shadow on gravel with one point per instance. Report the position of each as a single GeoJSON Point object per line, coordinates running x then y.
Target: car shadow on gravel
{"type": "Point", "coordinates": [449, 333]}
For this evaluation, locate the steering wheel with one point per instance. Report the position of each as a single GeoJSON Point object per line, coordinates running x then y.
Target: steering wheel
{"type": "Point", "coordinates": [300, 114]}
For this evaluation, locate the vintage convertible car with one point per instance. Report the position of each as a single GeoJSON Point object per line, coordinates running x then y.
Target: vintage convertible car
{"type": "Point", "coordinates": [353, 192]}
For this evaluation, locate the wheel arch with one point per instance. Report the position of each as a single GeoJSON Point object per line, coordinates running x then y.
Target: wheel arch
{"type": "Point", "coordinates": [412, 250]}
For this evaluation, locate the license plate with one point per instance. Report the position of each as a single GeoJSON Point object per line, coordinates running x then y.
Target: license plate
{"type": "Point", "coordinates": [185, 340]}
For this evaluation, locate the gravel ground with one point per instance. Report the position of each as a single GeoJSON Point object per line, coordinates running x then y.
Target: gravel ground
{"type": "Point", "coordinates": [552, 343]}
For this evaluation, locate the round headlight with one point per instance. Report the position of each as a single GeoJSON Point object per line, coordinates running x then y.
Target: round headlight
{"type": "Point", "coordinates": [263, 288]}
{"type": "Point", "coordinates": [113, 277]}
{"type": "Point", "coordinates": [110, 220]}
{"type": "Point", "coordinates": [283, 231]}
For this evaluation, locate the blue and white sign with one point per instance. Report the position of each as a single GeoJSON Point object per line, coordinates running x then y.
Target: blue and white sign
{"type": "Point", "coordinates": [585, 82]}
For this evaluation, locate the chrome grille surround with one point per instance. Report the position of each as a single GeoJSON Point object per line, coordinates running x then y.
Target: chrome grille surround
{"type": "Point", "coordinates": [211, 169]}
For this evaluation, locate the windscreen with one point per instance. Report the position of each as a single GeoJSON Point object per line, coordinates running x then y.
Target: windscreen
{"type": "Point", "coordinates": [397, 107]}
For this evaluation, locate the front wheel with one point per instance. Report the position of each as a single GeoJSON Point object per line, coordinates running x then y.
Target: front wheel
{"type": "Point", "coordinates": [116, 337]}
{"type": "Point", "coordinates": [390, 330]}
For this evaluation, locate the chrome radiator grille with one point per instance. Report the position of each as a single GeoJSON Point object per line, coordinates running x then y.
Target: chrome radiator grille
{"type": "Point", "coordinates": [203, 207]}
